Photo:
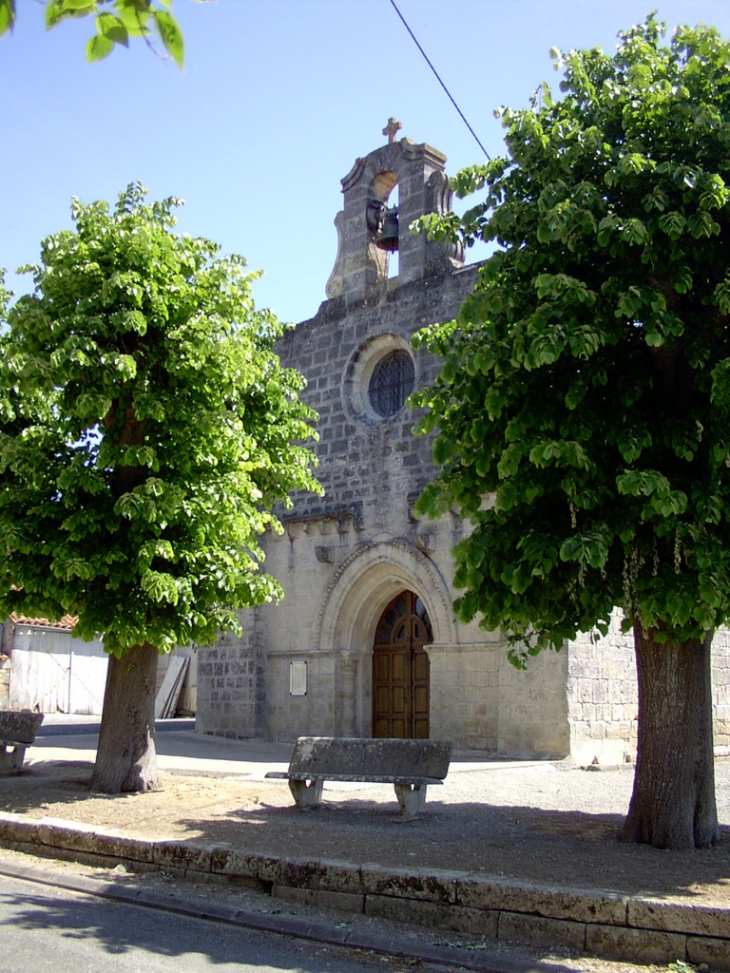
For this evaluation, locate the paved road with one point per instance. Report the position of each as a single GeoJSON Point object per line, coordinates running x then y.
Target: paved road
{"type": "Point", "coordinates": [75, 933]}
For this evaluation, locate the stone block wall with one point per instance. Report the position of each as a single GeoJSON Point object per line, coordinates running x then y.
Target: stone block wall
{"type": "Point", "coordinates": [603, 698]}
{"type": "Point", "coordinates": [368, 466]}
{"type": "Point", "coordinates": [231, 698]}
{"type": "Point", "coordinates": [465, 682]}
{"type": "Point", "coordinates": [721, 690]}
{"type": "Point", "coordinates": [345, 555]}
{"type": "Point", "coordinates": [533, 710]}
{"type": "Point", "coordinates": [314, 714]}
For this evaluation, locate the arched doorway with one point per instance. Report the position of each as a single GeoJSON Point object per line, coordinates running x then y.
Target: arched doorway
{"type": "Point", "coordinates": [401, 669]}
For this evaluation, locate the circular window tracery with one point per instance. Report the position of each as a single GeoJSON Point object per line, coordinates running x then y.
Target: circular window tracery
{"type": "Point", "coordinates": [379, 378]}
{"type": "Point", "coordinates": [391, 383]}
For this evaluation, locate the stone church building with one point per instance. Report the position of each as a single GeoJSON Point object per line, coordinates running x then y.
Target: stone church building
{"type": "Point", "coordinates": [365, 642]}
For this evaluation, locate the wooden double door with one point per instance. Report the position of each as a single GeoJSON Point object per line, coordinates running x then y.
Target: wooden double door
{"type": "Point", "coordinates": [401, 688]}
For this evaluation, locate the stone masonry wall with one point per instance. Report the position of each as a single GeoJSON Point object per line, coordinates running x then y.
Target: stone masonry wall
{"type": "Point", "coordinates": [581, 701]}
{"type": "Point", "coordinates": [465, 679]}
{"type": "Point", "coordinates": [368, 466]}
{"type": "Point", "coordinates": [533, 710]}
{"type": "Point", "coordinates": [372, 469]}
{"type": "Point", "coordinates": [304, 560]}
{"type": "Point", "coordinates": [231, 697]}
{"type": "Point", "coordinates": [721, 689]}
{"type": "Point", "coordinates": [603, 701]}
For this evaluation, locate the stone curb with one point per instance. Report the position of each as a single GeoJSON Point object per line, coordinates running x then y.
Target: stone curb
{"type": "Point", "coordinates": [387, 943]}
{"type": "Point", "coordinates": [610, 925]}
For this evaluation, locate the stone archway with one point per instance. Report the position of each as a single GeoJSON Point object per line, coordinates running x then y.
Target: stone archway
{"type": "Point", "coordinates": [401, 669]}
{"type": "Point", "coordinates": [352, 607]}
{"type": "Point", "coordinates": [365, 583]}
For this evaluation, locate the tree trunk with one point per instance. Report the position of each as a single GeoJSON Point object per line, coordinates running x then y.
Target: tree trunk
{"type": "Point", "coordinates": [126, 759]}
{"type": "Point", "coordinates": [673, 803]}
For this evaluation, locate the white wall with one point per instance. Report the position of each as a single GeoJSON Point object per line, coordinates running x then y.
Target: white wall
{"type": "Point", "coordinates": [55, 673]}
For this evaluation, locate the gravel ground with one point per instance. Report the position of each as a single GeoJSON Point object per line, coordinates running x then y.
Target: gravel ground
{"type": "Point", "coordinates": [546, 822]}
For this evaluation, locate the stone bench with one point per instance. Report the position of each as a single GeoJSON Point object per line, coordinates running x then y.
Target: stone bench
{"type": "Point", "coordinates": [17, 732]}
{"type": "Point", "coordinates": [410, 765]}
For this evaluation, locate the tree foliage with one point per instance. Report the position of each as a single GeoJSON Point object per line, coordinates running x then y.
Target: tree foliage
{"type": "Point", "coordinates": [146, 430]}
{"type": "Point", "coordinates": [583, 408]}
{"type": "Point", "coordinates": [115, 21]}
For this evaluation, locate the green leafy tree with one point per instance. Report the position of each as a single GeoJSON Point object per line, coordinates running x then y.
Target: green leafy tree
{"type": "Point", "coordinates": [146, 430]}
{"type": "Point", "coordinates": [583, 408]}
{"type": "Point", "coordinates": [116, 22]}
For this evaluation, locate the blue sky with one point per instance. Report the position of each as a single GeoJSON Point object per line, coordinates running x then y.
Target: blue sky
{"type": "Point", "coordinates": [276, 101]}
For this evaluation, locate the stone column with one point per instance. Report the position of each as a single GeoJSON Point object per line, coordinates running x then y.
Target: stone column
{"type": "Point", "coordinates": [348, 669]}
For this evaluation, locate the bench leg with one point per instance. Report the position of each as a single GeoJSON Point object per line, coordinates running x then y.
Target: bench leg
{"type": "Point", "coordinates": [11, 761]}
{"type": "Point", "coordinates": [306, 795]}
{"type": "Point", "coordinates": [411, 797]}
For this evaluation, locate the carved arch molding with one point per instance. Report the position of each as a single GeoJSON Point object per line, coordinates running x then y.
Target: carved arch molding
{"type": "Point", "coordinates": [367, 581]}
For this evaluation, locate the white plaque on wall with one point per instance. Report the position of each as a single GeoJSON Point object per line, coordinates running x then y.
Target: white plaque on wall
{"type": "Point", "coordinates": [298, 678]}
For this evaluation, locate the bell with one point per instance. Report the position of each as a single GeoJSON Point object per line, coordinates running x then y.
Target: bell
{"type": "Point", "coordinates": [388, 236]}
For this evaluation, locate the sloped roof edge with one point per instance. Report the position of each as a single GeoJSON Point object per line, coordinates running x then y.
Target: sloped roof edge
{"type": "Point", "coordinates": [67, 622]}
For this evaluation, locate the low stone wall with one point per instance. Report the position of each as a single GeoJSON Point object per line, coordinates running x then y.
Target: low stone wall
{"type": "Point", "coordinates": [633, 928]}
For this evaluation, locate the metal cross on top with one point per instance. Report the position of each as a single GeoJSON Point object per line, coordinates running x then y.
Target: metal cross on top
{"type": "Point", "coordinates": [392, 129]}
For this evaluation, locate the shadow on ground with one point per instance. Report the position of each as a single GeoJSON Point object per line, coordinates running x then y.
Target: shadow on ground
{"type": "Point", "coordinates": [510, 841]}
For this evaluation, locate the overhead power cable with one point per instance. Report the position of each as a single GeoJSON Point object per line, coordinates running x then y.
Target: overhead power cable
{"type": "Point", "coordinates": [438, 78]}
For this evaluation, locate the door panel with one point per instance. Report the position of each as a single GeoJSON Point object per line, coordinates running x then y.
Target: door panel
{"type": "Point", "coordinates": [401, 685]}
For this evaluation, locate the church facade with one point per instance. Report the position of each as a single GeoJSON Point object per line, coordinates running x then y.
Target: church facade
{"type": "Point", "coordinates": [365, 642]}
